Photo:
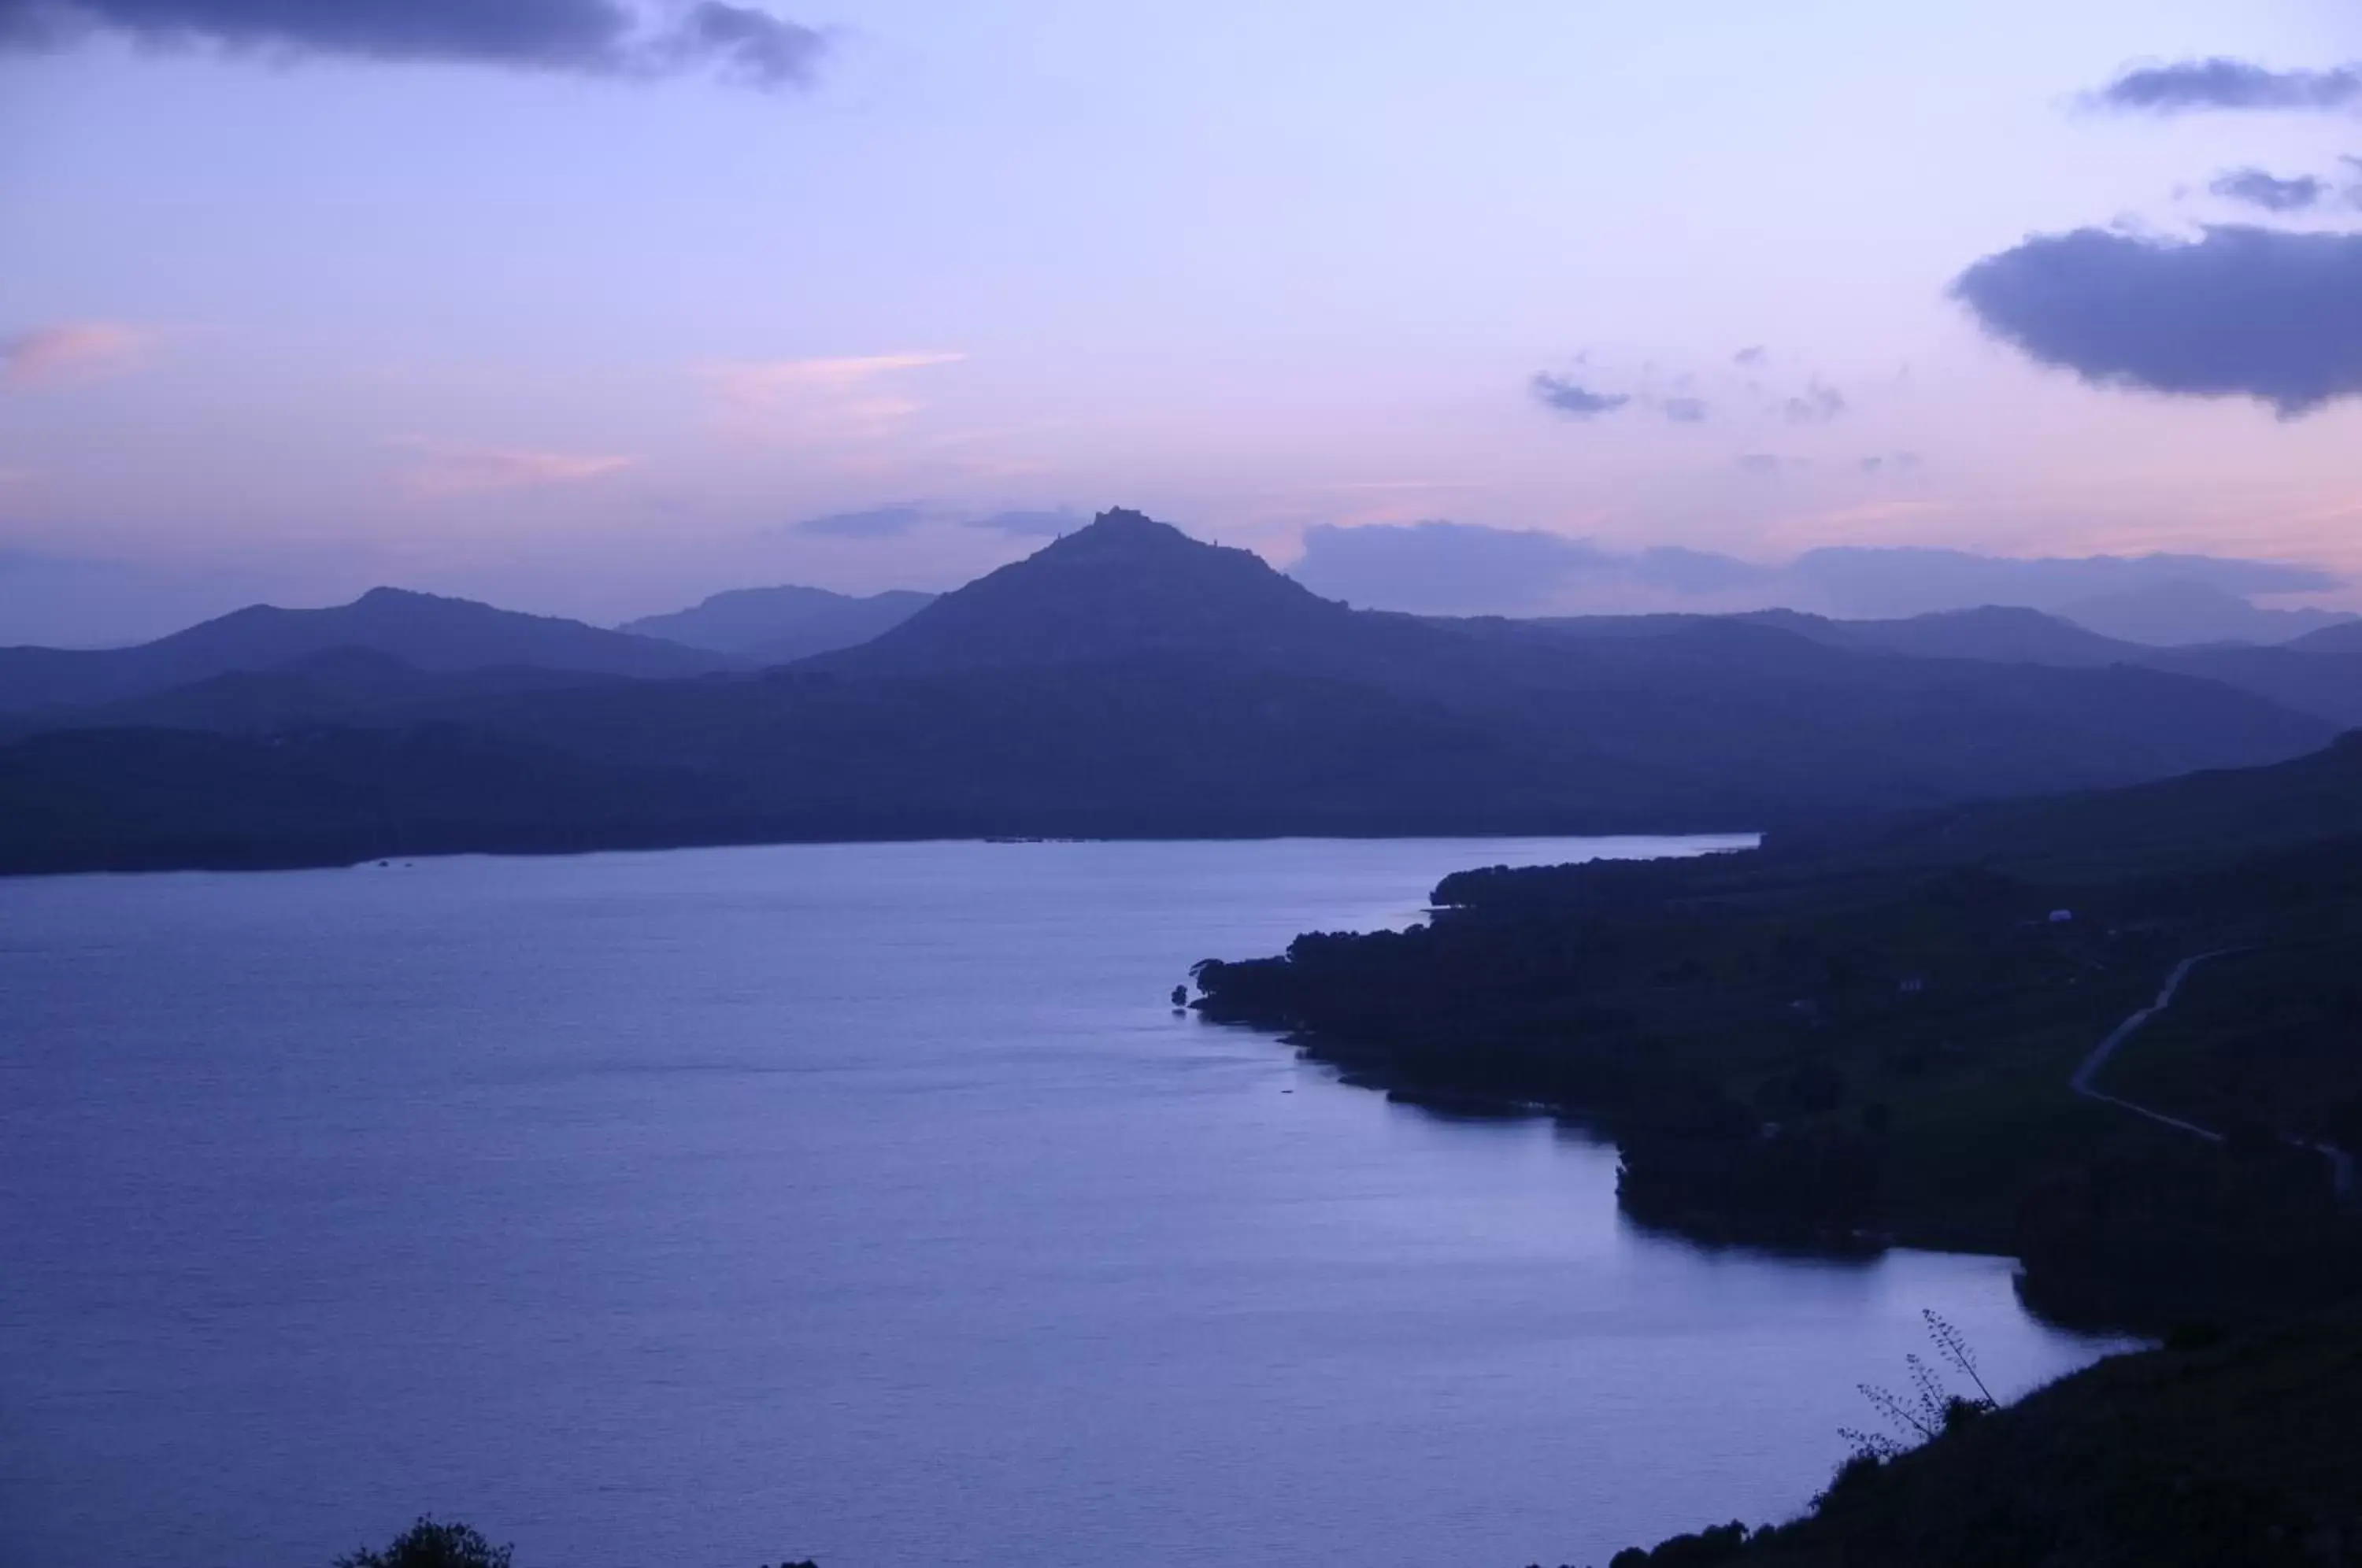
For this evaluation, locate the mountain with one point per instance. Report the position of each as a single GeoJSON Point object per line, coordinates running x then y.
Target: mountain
{"type": "Point", "coordinates": [1124, 586]}
{"type": "Point", "coordinates": [2183, 613]}
{"type": "Point", "coordinates": [780, 626]}
{"type": "Point", "coordinates": [1127, 681]}
{"type": "Point", "coordinates": [422, 630]}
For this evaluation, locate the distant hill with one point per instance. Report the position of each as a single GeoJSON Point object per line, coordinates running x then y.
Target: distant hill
{"type": "Point", "coordinates": [2344, 637]}
{"type": "Point", "coordinates": [422, 630]}
{"type": "Point", "coordinates": [1996, 634]}
{"type": "Point", "coordinates": [2185, 613]}
{"type": "Point", "coordinates": [1127, 681]}
{"type": "Point", "coordinates": [780, 626]}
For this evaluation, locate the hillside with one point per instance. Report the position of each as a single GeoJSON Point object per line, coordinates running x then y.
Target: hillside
{"type": "Point", "coordinates": [422, 630]}
{"type": "Point", "coordinates": [780, 626]}
{"type": "Point", "coordinates": [2232, 1454]}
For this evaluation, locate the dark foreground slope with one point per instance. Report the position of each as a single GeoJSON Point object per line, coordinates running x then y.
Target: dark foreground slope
{"type": "Point", "coordinates": [1129, 680]}
{"type": "Point", "coordinates": [2238, 1455]}
{"type": "Point", "coordinates": [1825, 1045]}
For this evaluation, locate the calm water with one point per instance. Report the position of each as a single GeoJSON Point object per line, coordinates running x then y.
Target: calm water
{"type": "Point", "coordinates": [684, 1210]}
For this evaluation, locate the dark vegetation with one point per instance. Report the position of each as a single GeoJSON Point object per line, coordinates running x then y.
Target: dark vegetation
{"type": "Point", "coordinates": [428, 1544]}
{"type": "Point", "coordinates": [1847, 1043]}
{"type": "Point", "coordinates": [1124, 681]}
{"type": "Point", "coordinates": [2222, 1452]}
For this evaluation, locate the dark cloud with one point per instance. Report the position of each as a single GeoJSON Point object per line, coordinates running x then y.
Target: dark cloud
{"type": "Point", "coordinates": [1761, 464]}
{"type": "Point", "coordinates": [2243, 312]}
{"type": "Point", "coordinates": [2229, 85]}
{"type": "Point", "coordinates": [878, 522]}
{"type": "Point", "coordinates": [739, 43]}
{"type": "Point", "coordinates": [1032, 524]}
{"type": "Point", "coordinates": [1685, 410]}
{"type": "Point", "coordinates": [2257, 188]}
{"type": "Point", "coordinates": [1563, 396]}
{"type": "Point", "coordinates": [1816, 404]}
{"type": "Point", "coordinates": [1749, 356]}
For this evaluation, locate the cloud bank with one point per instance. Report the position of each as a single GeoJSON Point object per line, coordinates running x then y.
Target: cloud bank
{"type": "Point", "coordinates": [607, 38]}
{"type": "Point", "coordinates": [876, 522]}
{"type": "Point", "coordinates": [2235, 85]}
{"type": "Point", "coordinates": [2242, 312]}
{"type": "Point", "coordinates": [1460, 569]}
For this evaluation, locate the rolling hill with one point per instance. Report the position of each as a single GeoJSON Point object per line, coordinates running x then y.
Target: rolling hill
{"type": "Point", "coordinates": [422, 630]}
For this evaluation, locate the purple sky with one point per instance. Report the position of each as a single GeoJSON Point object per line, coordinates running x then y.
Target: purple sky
{"type": "Point", "coordinates": [587, 310]}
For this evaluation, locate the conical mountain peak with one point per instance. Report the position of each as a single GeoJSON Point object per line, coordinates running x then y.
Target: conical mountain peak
{"type": "Point", "coordinates": [1124, 585]}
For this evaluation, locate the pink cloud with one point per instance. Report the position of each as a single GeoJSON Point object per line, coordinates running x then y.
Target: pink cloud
{"type": "Point", "coordinates": [71, 351]}
{"type": "Point", "coordinates": [443, 469]}
{"type": "Point", "coordinates": [818, 400]}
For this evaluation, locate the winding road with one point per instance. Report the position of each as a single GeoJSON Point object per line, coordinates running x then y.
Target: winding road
{"type": "Point", "coordinates": [2341, 1164]}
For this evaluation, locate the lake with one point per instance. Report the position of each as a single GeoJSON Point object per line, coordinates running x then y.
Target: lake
{"type": "Point", "coordinates": [865, 1202]}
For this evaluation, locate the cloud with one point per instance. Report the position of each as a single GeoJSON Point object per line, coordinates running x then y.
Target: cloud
{"type": "Point", "coordinates": [71, 351]}
{"type": "Point", "coordinates": [2220, 83]}
{"type": "Point", "coordinates": [1685, 410]}
{"type": "Point", "coordinates": [1816, 404]}
{"type": "Point", "coordinates": [446, 470]}
{"type": "Point", "coordinates": [1749, 356]}
{"type": "Point", "coordinates": [1032, 524]}
{"type": "Point", "coordinates": [1874, 582]}
{"type": "Point", "coordinates": [876, 522]}
{"type": "Point", "coordinates": [2241, 312]}
{"type": "Point", "coordinates": [818, 400]}
{"type": "Point", "coordinates": [2257, 188]}
{"type": "Point", "coordinates": [738, 43]}
{"type": "Point", "coordinates": [1443, 568]}
{"type": "Point", "coordinates": [1562, 396]}
{"type": "Point", "coordinates": [1762, 465]}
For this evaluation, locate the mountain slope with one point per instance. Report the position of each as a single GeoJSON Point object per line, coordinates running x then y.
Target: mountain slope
{"type": "Point", "coordinates": [779, 625]}
{"type": "Point", "coordinates": [424, 630]}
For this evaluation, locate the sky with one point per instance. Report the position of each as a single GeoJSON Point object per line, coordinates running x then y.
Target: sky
{"type": "Point", "coordinates": [589, 308]}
